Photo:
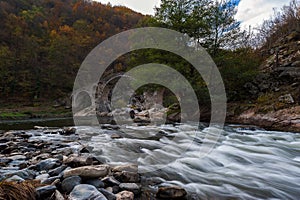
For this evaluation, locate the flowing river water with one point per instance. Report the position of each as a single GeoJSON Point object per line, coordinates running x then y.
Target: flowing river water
{"type": "Point", "coordinates": [245, 163]}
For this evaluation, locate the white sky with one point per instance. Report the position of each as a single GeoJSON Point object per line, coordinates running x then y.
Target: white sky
{"type": "Point", "coordinates": [250, 12]}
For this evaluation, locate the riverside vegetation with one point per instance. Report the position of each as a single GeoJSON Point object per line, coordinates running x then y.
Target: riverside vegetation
{"type": "Point", "coordinates": [44, 42]}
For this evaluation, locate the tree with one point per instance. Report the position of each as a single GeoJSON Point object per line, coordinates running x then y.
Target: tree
{"type": "Point", "coordinates": [210, 23]}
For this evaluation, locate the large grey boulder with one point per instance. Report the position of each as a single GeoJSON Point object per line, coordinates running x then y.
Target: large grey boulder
{"type": "Point", "coordinates": [86, 192]}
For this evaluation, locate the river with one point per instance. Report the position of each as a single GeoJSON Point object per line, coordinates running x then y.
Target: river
{"type": "Point", "coordinates": [245, 163]}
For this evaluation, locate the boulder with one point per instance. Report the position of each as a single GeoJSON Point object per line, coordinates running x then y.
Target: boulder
{"type": "Point", "coordinates": [48, 164]}
{"type": "Point", "coordinates": [127, 177]}
{"type": "Point", "coordinates": [78, 161]}
{"type": "Point", "coordinates": [109, 195]}
{"type": "Point", "coordinates": [88, 171]}
{"type": "Point", "coordinates": [125, 195]}
{"type": "Point", "coordinates": [132, 187]}
{"type": "Point", "coordinates": [15, 178]}
{"type": "Point", "coordinates": [127, 168]}
{"type": "Point", "coordinates": [57, 171]}
{"type": "Point", "coordinates": [68, 131]}
{"type": "Point", "coordinates": [45, 192]}
{"type": "Point", "coordinates": [24, 174]}
{"type": "Point", "coordinates": [86, 192]}
{"type": "Point", "coordinates": [69, 183]}
{"type": "Point", "coordinates": [110, 181]}
{"type": "Point", "coordinates": [95, 182]}
{"type": "Point", "coordinates": [172, 192]}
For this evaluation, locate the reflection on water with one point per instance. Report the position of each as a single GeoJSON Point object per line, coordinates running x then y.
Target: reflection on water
{"type": "Point", "coordinates": [30, 123]}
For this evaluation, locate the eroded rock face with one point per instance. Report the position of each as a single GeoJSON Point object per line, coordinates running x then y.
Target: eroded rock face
{"type": "Point", "coordinates": [88, 171]}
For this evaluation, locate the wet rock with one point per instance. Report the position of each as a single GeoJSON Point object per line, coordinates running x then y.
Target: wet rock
{"type": "Point", "coordinates": [48, 164]}
{"type": "Point", "coordinates": [78, 161]}
{"type": "Point", "coordinates": [110, 181]}
{"type": "Point", "coordinates": [3, 146]}
{"type": "Point", "coordinates": [125, 195]}
{"type": "Point", "coordinates": [17, 157]}
{"type": "Point", "coordinates": [58, 195]}
{"type": "Point", "coordinates": [127, 177]}
{"type": "Point", "coordinates": [95, 182]}
{"type": "Point", "coordinates": [88, 171]}
{"type": "Point", "coordinates": [172, 192]}
{"type": "Point", "coordinates": [115, 189]}
{"type": "Point", "coordinates": [24, 173]}
{"type": "Point", "coordinates": [107, 194]}
{"type": "Point", "coordinates": [4, 161]}
{"type": "Point", "coordinates": [127, 168]}
{"type": "Point", "coordinates": [57, 171]}
{"type": "Point", "coordinates": [68, 131]}
{"type": "Point", "coordinates": [51, 180]}
{"type": "Point", "coordinates": [132, 187]}
{"type": "Point", "coordinates": [86, 192]}
{"type": "Point", "coordinates": [15, 178]}
{"type": "Point", "coordinates": [69, 183]}
{"type": "Point", "coordinates": [45, 191]}
{"type": "Point", "coordinates": [115, 136]}
{"type": "Point", "coordinates": [42, 177]}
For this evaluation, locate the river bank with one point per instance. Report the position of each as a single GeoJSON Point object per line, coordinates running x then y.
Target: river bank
{"type": "Point", "coordinates": [145, 162]}
{"type": "Point", "coordinates": [287, 120]}
{"type": "Point", "coordinates": [50, 163]}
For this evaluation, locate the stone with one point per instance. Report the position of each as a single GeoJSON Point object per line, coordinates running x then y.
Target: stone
{"type": "Point", "coordinates": [57, 171]}
{"type": "Point", "coordinates": [48, 164]}
{"type": "Point", "coordinates": [110, 181]}
{"type": "Point", "coordinates": [78, 161]}
{"type": "Point", "coordinates": [107, 194]}
{"type": "Point", "coordinates": [86, 192]}
{"type": "Point", "coordinates": [24, 174]}
{"type": "Point", "coordinates": [17, 157]}
{"type": "Point", "coordinates": [288, 99]}
{"type": "Point", "coordinates": [69, 183]}
{"type": "Point", "coordinates": [45, 191]}
{"type": "Point", "coordinates": [171, 192]}
{"type": "Point", "coordinates": [125, 195]}
{"type": "Point", "coordinates": [127, 168]}
{"type": "Point", "coordinates": [95, 182]}
{"type": "Point", "coordinates": [42, 177]}
{"type": "Point", "coordinates": [15, 178]}
{"type": "Point", "coordinates": [4, 161]}
{"type": "Point", "coordinates": [132, 187]}
{"type": "Point", "coordinates": [95, 171]}
{"type": "Point", "coordinates": [51, 180]}
{"type": "Point", "coordinates": [68, 131]}
{"type": "Point", "coordinates": [127, 177]}
{"type": "Point", "coordinates": [58, 195]}
{"type": "Point", "coordinates": [115, 136]}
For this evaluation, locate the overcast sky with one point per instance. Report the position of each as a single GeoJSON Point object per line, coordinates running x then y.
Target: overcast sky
{"type": "Point", "coordinates": [250, 12]}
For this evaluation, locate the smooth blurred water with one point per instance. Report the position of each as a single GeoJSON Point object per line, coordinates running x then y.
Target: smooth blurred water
{"type": "Point", "coordinates": [245, 163]}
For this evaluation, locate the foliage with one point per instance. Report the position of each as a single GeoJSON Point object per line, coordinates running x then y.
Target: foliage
{"type": "Point", "coordinates": [44, 42]}
{"type": "Point", "coordinates": [282, 23]}
{"type": "Point", "coordinates": [211, 24]}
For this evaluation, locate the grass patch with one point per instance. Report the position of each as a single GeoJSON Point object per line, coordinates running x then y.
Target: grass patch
{"type": "Point", "coordinates": [17, 191]}
{"type": "Point", "coordinates": [12, 115]}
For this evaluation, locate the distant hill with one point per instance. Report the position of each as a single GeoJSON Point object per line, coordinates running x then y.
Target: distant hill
{"type": "Point", "coordinates": [43, 42]}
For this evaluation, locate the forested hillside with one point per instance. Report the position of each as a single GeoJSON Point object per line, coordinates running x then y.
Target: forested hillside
{"type": "Point", "coordinates": [43, 42]}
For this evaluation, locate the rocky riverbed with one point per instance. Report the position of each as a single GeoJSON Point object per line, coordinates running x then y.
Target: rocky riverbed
{"type": "Point", "coordinates": [56, 165]}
